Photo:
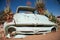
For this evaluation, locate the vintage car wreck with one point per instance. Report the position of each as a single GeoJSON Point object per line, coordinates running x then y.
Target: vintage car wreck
{"type": "Point", "coordinates": [27, 22]}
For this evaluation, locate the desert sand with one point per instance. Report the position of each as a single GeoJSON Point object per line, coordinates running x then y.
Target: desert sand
{"type": "Point", "coordinates": [50, 36]}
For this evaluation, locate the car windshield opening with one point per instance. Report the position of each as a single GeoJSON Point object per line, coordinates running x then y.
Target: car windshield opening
{"type": "Point", "coordinates": [26, 12]}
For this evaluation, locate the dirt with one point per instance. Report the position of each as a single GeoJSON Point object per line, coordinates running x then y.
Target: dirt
{"type": "Point", "coordinates": [50, 36]}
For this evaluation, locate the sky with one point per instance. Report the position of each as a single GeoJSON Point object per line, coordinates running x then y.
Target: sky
{"type": "Point", "coordinates": [51, 5]}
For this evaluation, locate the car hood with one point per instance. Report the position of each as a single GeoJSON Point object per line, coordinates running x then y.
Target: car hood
{"type": "Point", "coordinates": [21, 18]}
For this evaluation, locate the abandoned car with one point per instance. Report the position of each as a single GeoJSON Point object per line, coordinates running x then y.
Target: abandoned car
{"type": "Point", "coordinates": [27, 22]}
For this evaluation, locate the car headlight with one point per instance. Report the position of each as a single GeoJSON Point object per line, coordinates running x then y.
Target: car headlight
{"type": "Point", "coordinates": [10, 30]}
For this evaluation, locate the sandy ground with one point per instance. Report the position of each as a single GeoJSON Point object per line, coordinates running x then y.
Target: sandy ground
{"type": "Point", "coordinates": [50, 36]}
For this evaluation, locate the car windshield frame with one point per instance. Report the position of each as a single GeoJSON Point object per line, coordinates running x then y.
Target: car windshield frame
{"type": "Point", "coordinates": [29, 9]}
